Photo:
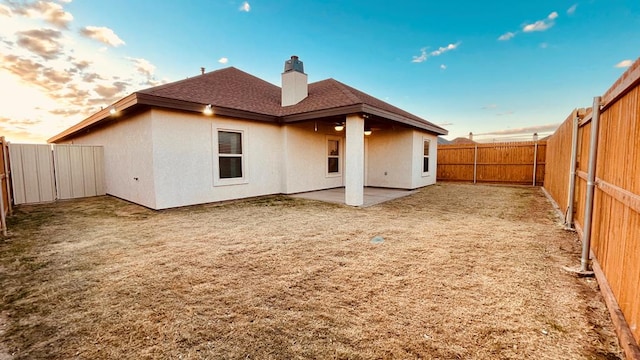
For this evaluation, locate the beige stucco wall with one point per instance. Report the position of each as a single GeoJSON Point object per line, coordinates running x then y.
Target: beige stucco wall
{"type": "Point", "coordinates": [185, 158]}
{"type": "Point", "coordinates": [305, 158]}
{"type": "Point", "coordinates": [128, 158]}
{"type": "Point", "coordinates": [418, 178]}
{"type": "Point", "coordinates": [162, 159]}
{"type": "Point", "coordinates": [389, 158]}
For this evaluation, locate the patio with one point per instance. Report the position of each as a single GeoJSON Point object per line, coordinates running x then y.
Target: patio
{"type": "Point", "coordinates": [372, 196]}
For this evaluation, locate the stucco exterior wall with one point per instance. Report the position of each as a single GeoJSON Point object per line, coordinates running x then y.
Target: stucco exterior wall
{"type": "Point", "coordinates": [305, 158]}
{"type": "Point", "coordinates": [128, 158]}
{"type": "Point", "coordinates": [163, 159]}
{"type": "Point", "coordinates": [418, 177]}
{"type": "Point", "coordinates": [389, 158]}
{"type": "Point", "coordinates": [185, 159]}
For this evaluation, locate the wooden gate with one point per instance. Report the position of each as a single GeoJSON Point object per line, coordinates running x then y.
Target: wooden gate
{"type": "Point", "coordinates": [32, 173]}
{"type": "Point", "coordinates": [44, 173]}
{"type": "Point", "coordinates": [78, 170]}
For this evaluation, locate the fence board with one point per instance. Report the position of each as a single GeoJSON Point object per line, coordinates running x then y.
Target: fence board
{"type": "Point", "coordinates": [79, 171]}
{"type": "Point", "coordinates": [511, 163]}
{"type": "Point", "coordinates": [5, 204]}
{"type": "Point", "coordinates": [616, 218]}
{"type": "Point", "coordinates": [32, 172]}
{"type": "Point", "coordinates": [558, 163]}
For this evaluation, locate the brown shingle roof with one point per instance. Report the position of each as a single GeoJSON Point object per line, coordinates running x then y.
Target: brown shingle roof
{"type": "Point", "coordinates": [229, 88]}
{"type": "Point", "coordinates": [234, 92]}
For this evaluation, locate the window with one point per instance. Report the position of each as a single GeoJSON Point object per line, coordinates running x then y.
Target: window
{"type": "Point", "coordinates": [333, 156]}
{"type": "Point", "coordinates": [425, 161]}
{"type": "Point", "coordinates": [230, 154]}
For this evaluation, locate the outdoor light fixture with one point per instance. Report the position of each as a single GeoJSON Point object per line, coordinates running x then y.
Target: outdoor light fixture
{"type": "Point", "coordinates": [208, 110]}
{"type": "Point", "coordinates": [367, 131]}
{"type": "Point", "coordinates": [339, 127]}
{"type": "Point", "coordinates": [112, 111]}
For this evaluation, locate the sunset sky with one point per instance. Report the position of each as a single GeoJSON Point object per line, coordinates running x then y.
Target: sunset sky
{"type": "Point", "coordinates": [500, 69]}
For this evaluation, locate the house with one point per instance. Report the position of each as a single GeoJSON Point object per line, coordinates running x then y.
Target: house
{"type": "Point", "coordinates": [461, 141]}
{"type": "Point", "coordinates": [227, 135]}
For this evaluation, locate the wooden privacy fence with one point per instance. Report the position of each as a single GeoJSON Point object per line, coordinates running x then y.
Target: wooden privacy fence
{"type": "Point", "coordinates": [510, 163]}
{"type": "Point", "coordinates": [44, 173]}
{"type": "Point", "coordinates": [615, 230]}
{"type": "Point", "coordinates": [5, 197]}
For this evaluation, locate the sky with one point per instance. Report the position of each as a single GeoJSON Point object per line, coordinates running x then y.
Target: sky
{"type": "Point", "coordinates": [500, 69]}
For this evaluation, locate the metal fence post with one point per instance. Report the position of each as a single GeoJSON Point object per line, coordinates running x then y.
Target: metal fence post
{"type": "Point", "coordinates": [535, 162]}
{"type": "Point", "coordinates": [475, 163]}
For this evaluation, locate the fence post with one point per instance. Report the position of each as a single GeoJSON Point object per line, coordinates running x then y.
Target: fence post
{"type": "Point", "coordinates": [7, 173]}
{"type": "Point", "coordinates": [3, 180]}
{"type": "Point", "coordinates": [535, 162]}
{"type": "Point", "coordinates": [585, 261]}
{"type": "Point", "coordinates": [475, 162]}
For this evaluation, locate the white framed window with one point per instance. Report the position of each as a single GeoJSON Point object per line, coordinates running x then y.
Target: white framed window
{"type": "Point", "coordinates": [425, 156]}
{"type": "Point", "coordinates": [334, 156]}
{"type": "Point", "coordinates": [230, 157]}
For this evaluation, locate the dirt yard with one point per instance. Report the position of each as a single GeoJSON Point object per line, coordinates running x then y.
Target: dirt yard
{"type": "Point", "coordinates": [463, 272]}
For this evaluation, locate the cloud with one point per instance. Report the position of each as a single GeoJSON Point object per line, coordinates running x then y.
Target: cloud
{"type": "Point", "coordinates": [507, 36]}
{"type": "Point", "coordinates": [111, 91]}
{"type": "Point", "coordinates": [57, 77]}
{"type": "Point", "coordinates": [441, 50]}
{"type": "Point", "coordinates": [444, 49]}
{"type": "Point", "coordinates": [245, 7]}
{"type": "Point", "coordinates": [65, 112]}
{"type": "Point", "coordinates": [143, 66]}
{"type": "Point", "coordinates": [102, 34]}
{"type": "Point", "coordinates": [24, 135]}
{"type": "Point", "coordinates": [624, 64]}
{"type": "Point", "coordinates": [541, 25]}
{"type": "Point", "coordinates": [24, 69]}
{"type": "Point", "coordinates": [524, 130]}
{"type": "Point", "coordinates": [50, 11]}
{"type": "Point", "coordinates": [53, 79]}
{"type": "Point", "coordinates": [91, 77]}
{"type": "Point", "coordinates": [490, 106]}
{"type": "Point", "coordinates": [81, 65]}
{"type": "Point", "coordinates": [544, 45]}
{"type": "Point", "coordinates": [223, 60]}
{"type": "Point", "coordinates": [4, 10]}
{"type": "Point", "coordinates": [423, 56]}
{"type": "Point", "coordinates": [443, 67]}
{"type": "Point", "coordinates": [572, 9]}
{"type": "Point", "coordinates": [42, 42]}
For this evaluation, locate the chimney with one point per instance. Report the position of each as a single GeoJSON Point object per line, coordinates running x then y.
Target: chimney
{"type": "Point", "coordinates": [471, 136]}
{"type": "Point", "coordinates": [202, 71]}
{"type": "Point", "coordinates": [294, 82]}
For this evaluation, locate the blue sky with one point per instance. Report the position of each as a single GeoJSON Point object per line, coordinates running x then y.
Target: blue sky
{"type": "Point", "coordinates": [501, 68]}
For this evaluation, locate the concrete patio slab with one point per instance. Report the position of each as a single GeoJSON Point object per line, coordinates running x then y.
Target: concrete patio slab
{"type": "Point", "coordinates": [372, 196]}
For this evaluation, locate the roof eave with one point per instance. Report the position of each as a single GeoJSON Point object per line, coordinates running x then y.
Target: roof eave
{"type": "Point", "coordinates": [142, 99]}
{"type": "Point", "coordinates": [175, 104]}
{"type": "Point", "coordinates": [364, 108]}
{"type": "Point", "coordinates": [97, 118]}
{"type": "Point", "coordinates": [404, 120]}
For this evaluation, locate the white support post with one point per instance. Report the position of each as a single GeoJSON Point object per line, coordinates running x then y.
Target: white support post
{"type": "Point", "coordinates": [354, 161]}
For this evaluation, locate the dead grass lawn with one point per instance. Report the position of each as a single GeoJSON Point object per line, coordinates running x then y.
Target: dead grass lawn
{"type": "Point", "coordinates": [464, 272]}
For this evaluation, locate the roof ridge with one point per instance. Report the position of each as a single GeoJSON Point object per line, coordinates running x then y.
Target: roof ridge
{"type": "Point", "coordinates": [346, 90]}
{"type": "Point", "coordinates": [178, 82]}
